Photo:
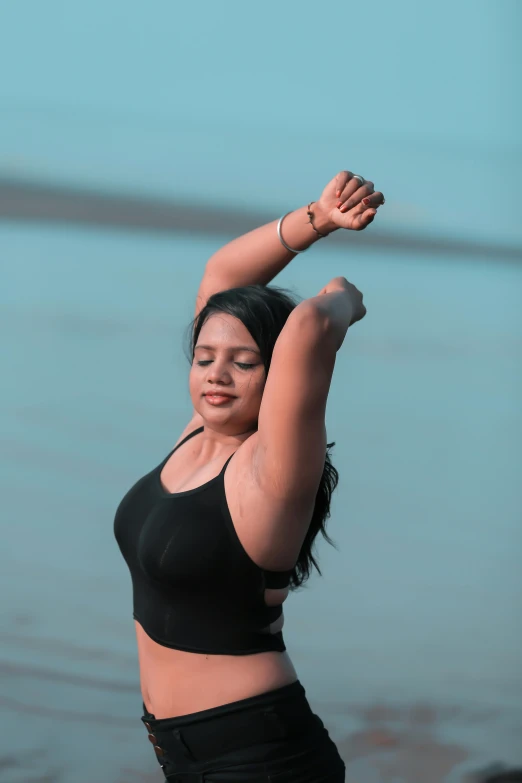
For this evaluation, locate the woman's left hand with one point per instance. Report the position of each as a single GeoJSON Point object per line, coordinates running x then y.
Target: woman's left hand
{"type": "Point", "coordinates": [345, 203]}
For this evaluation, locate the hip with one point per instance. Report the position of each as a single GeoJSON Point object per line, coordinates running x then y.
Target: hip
{"type": "Point", "coordinates": [273, 737]}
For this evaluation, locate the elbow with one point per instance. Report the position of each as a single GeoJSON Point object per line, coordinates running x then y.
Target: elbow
{"type": "Point", "coordinates": [311, 320]}
{"type": "Point", "coordinates": [309, 315]}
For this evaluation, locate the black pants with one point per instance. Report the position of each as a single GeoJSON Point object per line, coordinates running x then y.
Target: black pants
{"type": "Point", "coordinates": [271, 738]}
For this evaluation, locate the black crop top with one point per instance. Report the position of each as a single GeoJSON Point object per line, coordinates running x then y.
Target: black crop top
{"type": "Point", "coordinates": [194, 586]}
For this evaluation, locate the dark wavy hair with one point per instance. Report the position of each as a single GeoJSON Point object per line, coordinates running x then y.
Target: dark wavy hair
{"type": "Point", "coordinates": [503, 776]}
{"type": "Point", "coordinates": [264, 310]}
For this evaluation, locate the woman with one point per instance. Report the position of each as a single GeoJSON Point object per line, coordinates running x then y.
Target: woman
{"type": "Point", "coordinates": [219, 532]}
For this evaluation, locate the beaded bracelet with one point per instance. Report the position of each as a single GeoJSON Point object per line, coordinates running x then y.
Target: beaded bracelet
{"type": "Point", "coordinates": [310, 216]}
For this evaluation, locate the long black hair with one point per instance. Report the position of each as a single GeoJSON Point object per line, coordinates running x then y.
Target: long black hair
{"type": "Point", "coordinates": [263, 310]}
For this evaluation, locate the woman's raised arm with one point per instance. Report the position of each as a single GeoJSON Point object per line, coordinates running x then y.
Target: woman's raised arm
{"type": "Point", "coordinates": [290, 444]}
{"type": "Point", "coordinates": [258, 256]}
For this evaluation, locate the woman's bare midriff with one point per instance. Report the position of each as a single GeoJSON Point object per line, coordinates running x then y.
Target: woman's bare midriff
{"type": "Point", "coordinates": [174, 682]}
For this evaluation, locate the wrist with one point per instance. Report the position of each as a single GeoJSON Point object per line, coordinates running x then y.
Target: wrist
{"type": "Point", "coordinates": [321, 218]}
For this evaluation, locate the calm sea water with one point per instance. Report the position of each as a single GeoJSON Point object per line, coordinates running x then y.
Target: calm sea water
{"type": "Point", "coordinates": [420, 605]}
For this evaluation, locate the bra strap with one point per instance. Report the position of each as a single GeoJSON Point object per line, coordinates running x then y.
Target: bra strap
{"type": "Point", "coordinates": [226, 464]}
{"type": "Point", "coordinates": [188, 437]}
{"type": "Point", "coordinates": [273, 579]}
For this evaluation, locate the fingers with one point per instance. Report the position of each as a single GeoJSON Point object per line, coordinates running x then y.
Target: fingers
{"type": "Point", "coordinates": [351, 185]}
{"type": "Point", "coordinates": [364, 219]}
{"type": "Point", "coordinates": [341, 181]}
{"type": "Point", "coordinates": [374, 200]}
{"type": "Point", "coordinates": [362, 215]}
{"type": "Point", "coordinates": [354, 193]}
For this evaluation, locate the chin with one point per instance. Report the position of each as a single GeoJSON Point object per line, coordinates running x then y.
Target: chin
{"type": "Point", "coordinates": [228, 419]}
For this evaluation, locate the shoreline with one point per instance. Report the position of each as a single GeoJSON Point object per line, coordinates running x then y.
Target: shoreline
{"type": "Point", "coordinates": [32, 201]}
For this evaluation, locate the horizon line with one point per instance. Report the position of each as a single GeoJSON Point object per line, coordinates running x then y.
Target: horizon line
{"type": "Point", "coordinates": [33, 201]}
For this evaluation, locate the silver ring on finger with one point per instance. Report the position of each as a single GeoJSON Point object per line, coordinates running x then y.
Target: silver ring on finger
{"type": "Point", "coordinates": [361, 179]}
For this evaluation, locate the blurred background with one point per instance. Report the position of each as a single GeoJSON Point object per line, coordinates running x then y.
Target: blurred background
{"type": "Point", "coordinates": [135, 140]}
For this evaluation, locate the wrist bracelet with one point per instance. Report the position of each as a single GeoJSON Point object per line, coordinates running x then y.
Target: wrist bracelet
{"type": "Point", "coordinates": [290, 249]}
{"type": "Point", "coordinates": [310, 216]}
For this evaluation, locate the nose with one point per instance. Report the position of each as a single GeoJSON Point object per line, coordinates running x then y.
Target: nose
{"type": "Point", "coordinates": [218, 373]}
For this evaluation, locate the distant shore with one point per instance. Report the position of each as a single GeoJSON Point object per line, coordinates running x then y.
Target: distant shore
{"type": "Point", "coordinates": [48, 202]}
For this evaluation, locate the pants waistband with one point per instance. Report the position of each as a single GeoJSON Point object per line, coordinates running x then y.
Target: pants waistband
{"type": "Point", "coordinates": [284, 694]}
{"type": "Point", "coordinates": [275, 715]}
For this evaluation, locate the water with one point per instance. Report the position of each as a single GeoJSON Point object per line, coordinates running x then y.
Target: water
{"type": "Point", "coordinates": [415, 629]}
{"type": "Point", "coordinates": [410, 644]}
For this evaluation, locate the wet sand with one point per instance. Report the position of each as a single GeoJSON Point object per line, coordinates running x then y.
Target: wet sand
{"type": "Point", "coordinates": [70, 714]}
{"type": "Point", "coordinates": [403, 743]}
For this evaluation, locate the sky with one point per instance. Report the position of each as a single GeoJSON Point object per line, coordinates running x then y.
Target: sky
{"type": "Point", "coordinates": [263, 103]}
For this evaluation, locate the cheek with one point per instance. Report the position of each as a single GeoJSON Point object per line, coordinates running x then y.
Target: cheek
{"type": "Point", "coordinates": [254, 387]}
{"type": "Point", "coordinates": [194, 383]}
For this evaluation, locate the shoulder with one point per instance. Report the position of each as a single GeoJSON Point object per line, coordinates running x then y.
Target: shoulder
{"type": "Point", "coordinates": [195, 423]}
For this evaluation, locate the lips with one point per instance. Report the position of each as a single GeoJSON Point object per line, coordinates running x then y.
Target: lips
{"type": "Point", "coordinates": [218, 398]}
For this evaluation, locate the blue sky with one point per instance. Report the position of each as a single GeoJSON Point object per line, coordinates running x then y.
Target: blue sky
{"type": "Point", "coordinates": [262, 103]}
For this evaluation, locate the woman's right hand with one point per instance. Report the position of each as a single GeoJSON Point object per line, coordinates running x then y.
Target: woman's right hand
{"type": "Point", "coordinates": [355, 296]}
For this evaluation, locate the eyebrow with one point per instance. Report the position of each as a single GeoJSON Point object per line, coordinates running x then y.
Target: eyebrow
{"type": "Point", "coordinates": [232, 348]}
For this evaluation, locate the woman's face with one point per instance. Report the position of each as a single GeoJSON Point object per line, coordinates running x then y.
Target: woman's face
{"type": "Point", "coordinates": [227, 361]}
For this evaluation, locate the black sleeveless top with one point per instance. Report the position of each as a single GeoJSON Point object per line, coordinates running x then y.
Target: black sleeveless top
{"type": "Point", "coordinates": [194, 586]}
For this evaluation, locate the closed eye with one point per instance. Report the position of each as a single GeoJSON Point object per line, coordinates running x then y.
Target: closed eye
{"type": "Point", "coordinates": [241, 365]}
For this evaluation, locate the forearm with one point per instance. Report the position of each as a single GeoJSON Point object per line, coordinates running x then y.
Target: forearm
{"type": "Point", "coordinates": [258, 256]}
